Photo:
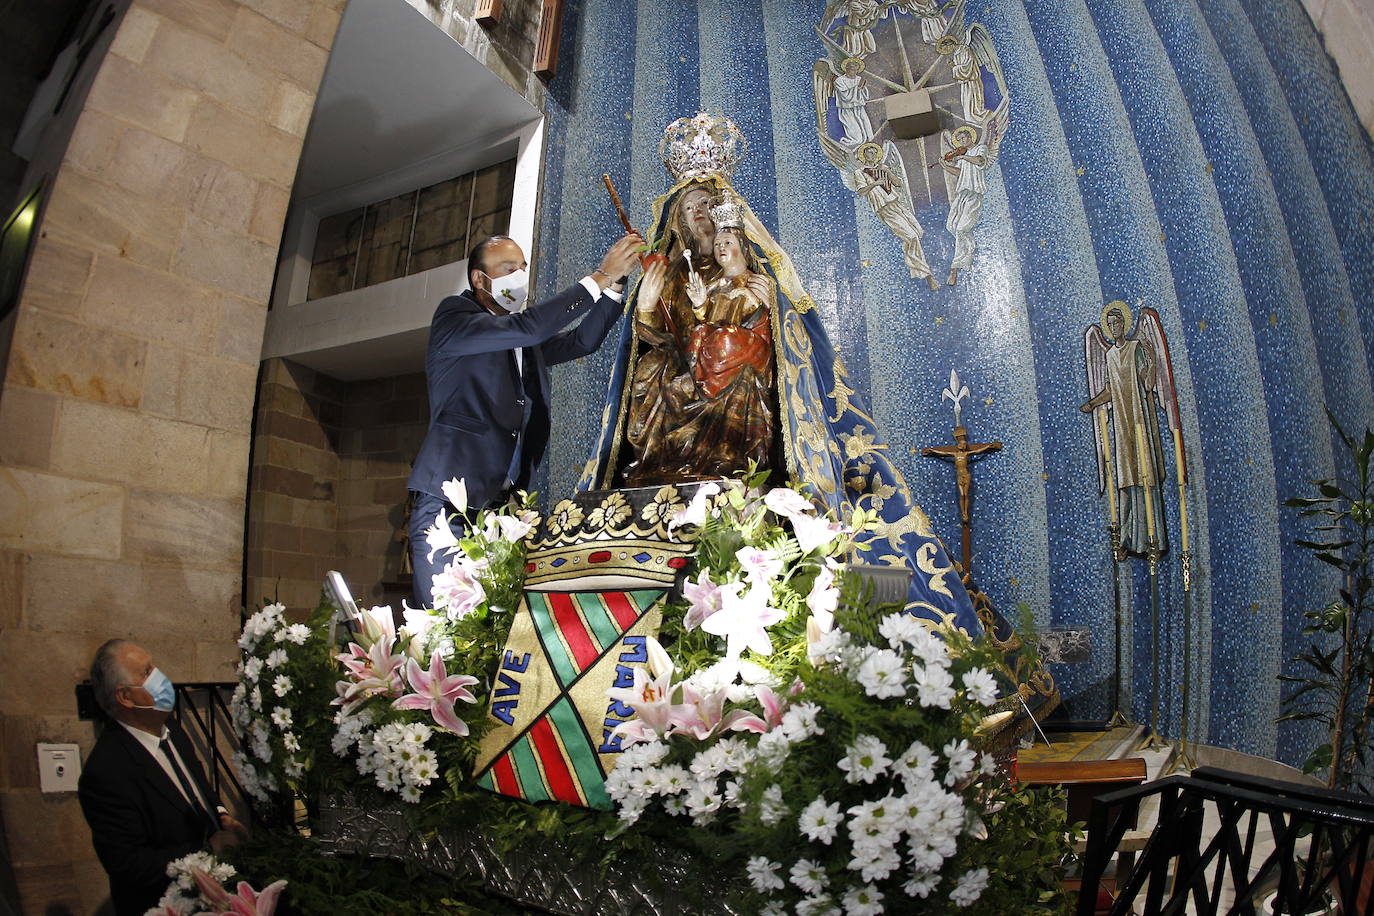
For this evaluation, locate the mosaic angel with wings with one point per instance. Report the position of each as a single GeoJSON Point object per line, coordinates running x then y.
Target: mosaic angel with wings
{"type": "Point", "coordinates": [1131, 377]}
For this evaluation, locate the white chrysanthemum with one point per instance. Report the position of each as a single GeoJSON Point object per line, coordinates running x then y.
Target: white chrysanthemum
{"type": "Point", "coordinates": [961, 758]}
{"type": "Point", "coordinates": [708, 764]}
{"type": "Point", "coordinates": [820, 821]}
{"type": "Point", "coordinates": [672, 780]}
{"type": "Point", "coordinates": [297, 633]}
{"type": "Point", "coordinates": [875, 861]}
{"type": "Point", "coordinates": [276, 658]}
{"type": "Point", "coordinates": [934, 685]}
{"type": "Point", "coordinates": [631, 807]}
{"type": "Point", "coordinates": [282, 685]}
{"type": "Point", "coordinates": [252, 668]}
{"type": "Point", "coordinates": [255, 699]}
{"type": "Point", "coordinates": [900, 628]}
{"type": "Point", "coordinates": [863, 901]}
{"type": "Point", "coordinates": [799, 722]}
{"type": "Point", "coordinates": [921, 887]}
{"type": "Point", "coordinates": [675, 806]}
{"type": "Point", "coordinates": [773, 908]}
{"type": "Point", "coordinates": [291, 742]}
{"type": "Point", "coordinates": [969, 888]}
{"type": "Point", "coordinates": [281, 717]}
{"type": "Point", "coordinates": [883, 674]}
{"type": "Point", "coordinates": [915, 765]}
{"type": "Point", "coordinates": [817, 906]}
{"type": "Point", "coordinates": [981, 686]}
{"type": "Point", "coordinates": [929, 648]}
{"type": "Point", "coordinates": [763, 874]}
{"type": "Point", "coordinates": [411, 793]}
{"type": "Point", "coordinates": [772, 808]}
{"type": "Point", "coordinates": [809, 875]}
{"type": "Point", "coordinates": [773, 749]}
{"type": "Point", "coordinates": [645, 753]}
{"type": "Point", "coordinates": [865, 760]}
{"type": "Point", "coordinates": [703, 801]}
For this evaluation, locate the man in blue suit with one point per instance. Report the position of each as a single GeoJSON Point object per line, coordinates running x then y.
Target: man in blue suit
{"type": "Point", "coordinates": [487, 369]}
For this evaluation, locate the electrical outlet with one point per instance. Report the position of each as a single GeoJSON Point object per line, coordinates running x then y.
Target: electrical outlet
{"type": "Point", "coordinates": [59, 767]}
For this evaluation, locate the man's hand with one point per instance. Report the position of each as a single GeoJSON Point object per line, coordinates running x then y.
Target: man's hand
{"type": "Point", "coordinates": [227, 822]}
{"type": "Point", "coordinates": [621, 257]}
{"type": "Point", "coordinates": [221, 840]}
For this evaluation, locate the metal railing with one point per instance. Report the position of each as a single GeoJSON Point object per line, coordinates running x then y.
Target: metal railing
{"type": "Point", "coordinates": [202, 711]}
{"type": "Point", "coordinates": [1321, 844]}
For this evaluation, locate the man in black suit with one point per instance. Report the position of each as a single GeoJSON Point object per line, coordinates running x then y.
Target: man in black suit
{"type": "Point", "coordinates": [142, 790]}
{"type": "Point", "coordinates": [487, 369]}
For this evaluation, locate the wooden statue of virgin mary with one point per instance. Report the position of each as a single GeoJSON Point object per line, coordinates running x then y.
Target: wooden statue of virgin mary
{"type": "Point", "coordinates": [726, 361]}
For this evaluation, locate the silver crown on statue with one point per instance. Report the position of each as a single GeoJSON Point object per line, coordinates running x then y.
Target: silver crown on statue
{"type": "Point", "coordinates": [727, 211]}
{"type": "Point", "coordinates": [702, 146]}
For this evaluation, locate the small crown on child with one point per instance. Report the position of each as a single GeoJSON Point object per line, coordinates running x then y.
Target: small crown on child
{"type": "Point", "coordinates": [727, 211]}
{"type": "Point", "coordinates": [701, 146]}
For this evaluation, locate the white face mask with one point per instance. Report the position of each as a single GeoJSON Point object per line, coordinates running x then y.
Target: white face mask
{"type": "Point", "coordinates": [512, 290]}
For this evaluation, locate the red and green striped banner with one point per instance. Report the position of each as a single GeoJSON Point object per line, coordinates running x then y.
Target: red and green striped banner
{"type": "Point", "coordinates": [551, 740]}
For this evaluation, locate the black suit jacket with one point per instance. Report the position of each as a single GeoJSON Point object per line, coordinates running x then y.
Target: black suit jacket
{"type": "Point", "coordinates": [139, 821]}
{"type": "Point", "coordinates": [477, 398]}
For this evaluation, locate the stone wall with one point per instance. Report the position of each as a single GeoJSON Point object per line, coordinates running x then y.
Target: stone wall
{"type": "Point", "coordinates": [328, 484]}
{"type": "Point", "coordinates": [126, 405]}
{"type": "Point", "coordinates": [1347, 28]}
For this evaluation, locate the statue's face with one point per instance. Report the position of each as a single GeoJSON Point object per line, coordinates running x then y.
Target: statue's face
{"type": "Point", "coordinates": [729, 253]}
{"type": "Point", "coordinates": [696, 212]}
{"type": "Point", "coordinates": [1115, 325]}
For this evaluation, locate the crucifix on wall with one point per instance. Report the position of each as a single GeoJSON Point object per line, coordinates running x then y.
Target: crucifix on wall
{"type": "Point", "coordinates": [962, 454]}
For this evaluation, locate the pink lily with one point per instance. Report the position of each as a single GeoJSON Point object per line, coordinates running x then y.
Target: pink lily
{"type": "Point", "coordinates": [437, 691]}
{"type": "Point", "coordinates": [812, 532]}
{"type": "Point", "coordinates": [374, 671]}
{"type": "Point", "coordinates": [705, 597]}
{"type": "Point", "coordinates": [701, 715]}
{"type": "Point", "coordinates": [772, 712]}
{"type": "Point", "coordinates": [377, 623]}
{"type": "Point", "coordinates": [247, 902]}
{"type": "Point", "coordinates": [650, 697]}
{"type": "Point", "coordinates": [743, 622]}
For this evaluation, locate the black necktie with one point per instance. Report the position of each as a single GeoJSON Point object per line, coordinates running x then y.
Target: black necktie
{"type": "Point", "coordinates": [165, 745]}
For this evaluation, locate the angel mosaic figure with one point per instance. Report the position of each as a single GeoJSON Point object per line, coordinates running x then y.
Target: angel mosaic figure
{"type": "Point", "coordinates": [877, 174]}
{"type": "Point", "coordinates": [965, 159]}
{"type": "Point", "coordinates": [847, 87]}
{"type": "Point", "coordinates": [1131, 377]}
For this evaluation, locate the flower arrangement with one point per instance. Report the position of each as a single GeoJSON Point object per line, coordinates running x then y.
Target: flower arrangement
{"type": "Point", "coordinates": [270, 677]}
{"type": "Point", "coordinates": [836, 750]}
{"type": "Point", "coordinates": [198, 889]}
{"type": "Point", "coordinates": [828, 754]}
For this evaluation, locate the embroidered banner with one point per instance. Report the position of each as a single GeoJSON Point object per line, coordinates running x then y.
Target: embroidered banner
{"type": "Point", "coordinates": [552, 739]}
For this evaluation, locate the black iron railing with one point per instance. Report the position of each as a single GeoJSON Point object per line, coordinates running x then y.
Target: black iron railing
{"type": "Point", "coordinates": [1321, 843]}
{"type": "Point", "coordinates": [202, 711]}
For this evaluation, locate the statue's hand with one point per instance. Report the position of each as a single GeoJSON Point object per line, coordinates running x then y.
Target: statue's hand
{"type": "Point", "coordinates": [696, 291]}
{"type": "Point", "coordinates": [650, 288]}
{"type": "Point", "coordinates": [760, 286]}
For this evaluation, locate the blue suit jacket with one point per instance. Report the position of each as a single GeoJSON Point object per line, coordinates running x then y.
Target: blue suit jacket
{"type": "Point", "coordinates": [477, 398]}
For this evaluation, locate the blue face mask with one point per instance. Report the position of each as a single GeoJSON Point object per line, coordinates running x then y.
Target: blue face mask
{"type": "Point", "coordinates": [160, 688]}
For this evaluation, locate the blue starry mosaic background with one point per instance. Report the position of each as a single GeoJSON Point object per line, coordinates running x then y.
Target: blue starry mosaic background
{"type": "Point", "coordinates": [1197, 156]}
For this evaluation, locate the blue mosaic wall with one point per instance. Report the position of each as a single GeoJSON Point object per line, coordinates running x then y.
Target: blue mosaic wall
{"type": "Point", "coordinates": [1197, 156]}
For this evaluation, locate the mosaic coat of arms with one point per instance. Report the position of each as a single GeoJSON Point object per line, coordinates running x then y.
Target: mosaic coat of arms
{"type": "Point", "coordinates": [911, 109]}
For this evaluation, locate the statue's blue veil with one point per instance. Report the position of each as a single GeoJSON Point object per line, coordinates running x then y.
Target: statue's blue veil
{"type": "Point", "coordinates": [830, 442]}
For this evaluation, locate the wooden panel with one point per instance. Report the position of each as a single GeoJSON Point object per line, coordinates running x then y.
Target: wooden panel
{"type": "Point", "coordinates": [546, 45]}
{"type": "Point", "coordinates": [487, 13]}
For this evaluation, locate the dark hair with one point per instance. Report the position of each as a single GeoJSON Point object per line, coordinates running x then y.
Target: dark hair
{"type": "Point", "coordinates": [108, 674]}
{"type": "Point", "coordinates": [477, 257]}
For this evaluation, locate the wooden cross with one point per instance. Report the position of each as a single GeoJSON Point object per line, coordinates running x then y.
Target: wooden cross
{"type": "Point", "coordinates": [963, 454]}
